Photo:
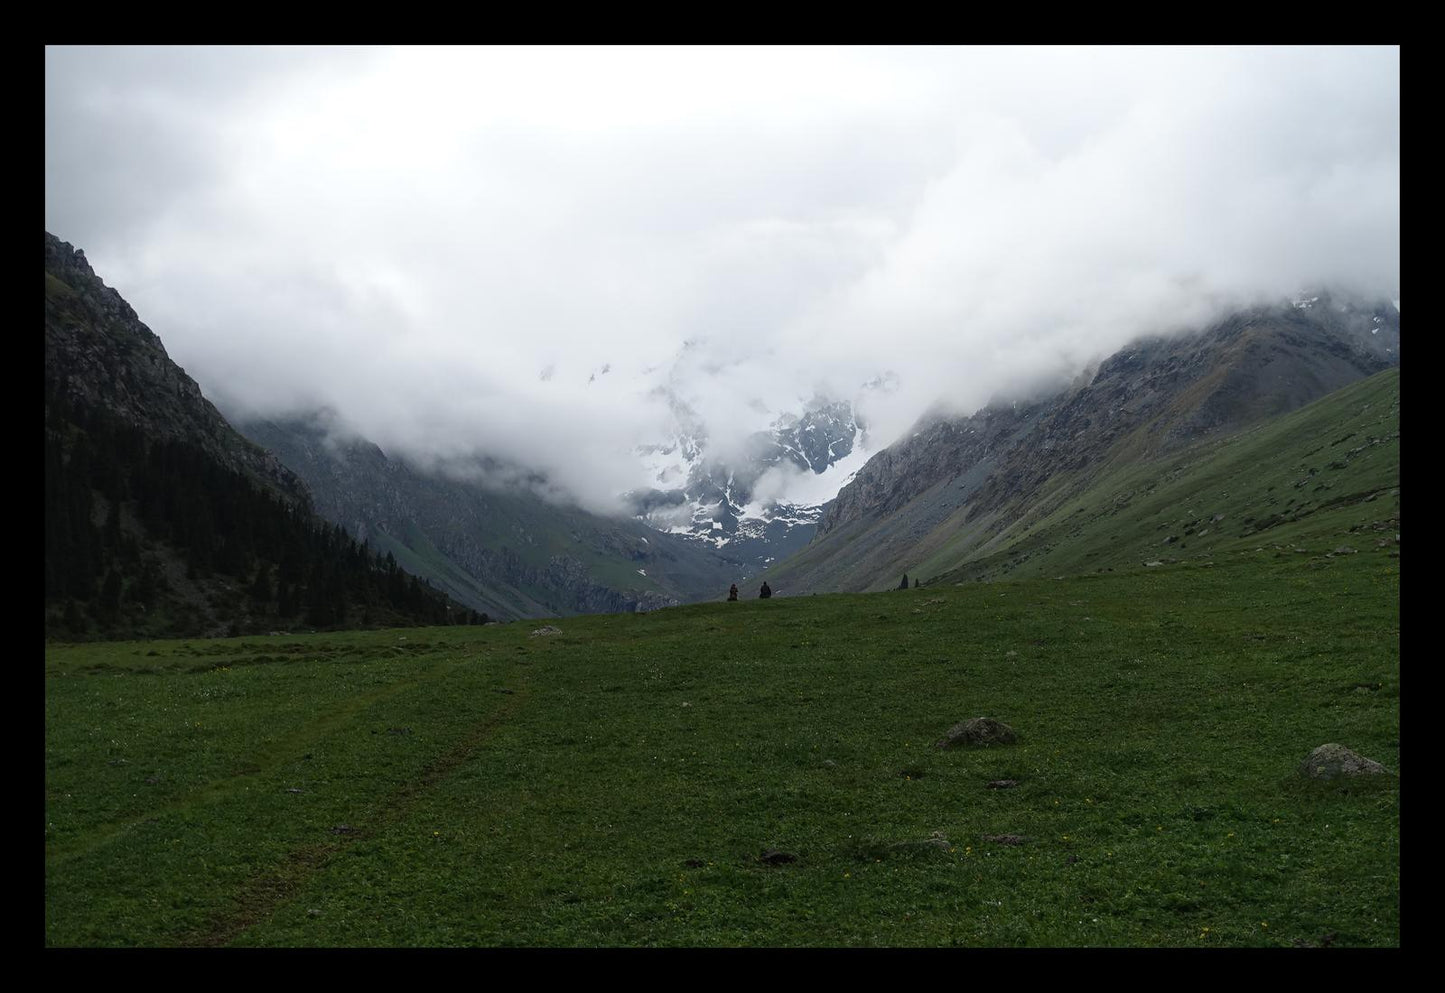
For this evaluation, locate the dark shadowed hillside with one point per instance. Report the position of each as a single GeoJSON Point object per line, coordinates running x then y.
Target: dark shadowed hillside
{"type": "Point", "coordinates": [506, 552]}
{"type": "Point", "coordinates": [159, 518]}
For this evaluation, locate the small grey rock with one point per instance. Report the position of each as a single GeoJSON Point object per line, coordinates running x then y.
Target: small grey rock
{"type": "Point", "coordinates": [1332, 761]}
{"type": "Point", "coordinates": [983, 731]}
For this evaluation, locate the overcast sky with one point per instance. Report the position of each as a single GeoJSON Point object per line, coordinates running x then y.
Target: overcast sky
{"type": "Point", "coordinates": [449, 246]}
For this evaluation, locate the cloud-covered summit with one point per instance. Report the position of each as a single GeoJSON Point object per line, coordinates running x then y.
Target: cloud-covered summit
{"type": "Point", "coordinates": [447, 246]}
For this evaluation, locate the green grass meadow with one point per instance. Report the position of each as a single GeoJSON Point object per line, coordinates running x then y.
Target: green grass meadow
{"type": "Point", "coordinates": [619, 783]}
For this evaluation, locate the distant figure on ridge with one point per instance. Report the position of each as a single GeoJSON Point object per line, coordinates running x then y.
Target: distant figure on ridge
{"type": "Point", "coordinates": [765, 592]}
{"type": "Point", "coordinates": [733, 592]}
{"type": "Point", "coordinates": [904, 585]}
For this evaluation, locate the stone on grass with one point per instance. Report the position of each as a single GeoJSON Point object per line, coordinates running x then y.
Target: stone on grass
{"type": "Point", "coordinates": [1334, 760]}
{"type": "Point", "coordinates": [936, 840]}
{"type": "Point", "coordinates": [982, 731]}
{"type": "Point", "coordinates": [548, 629]}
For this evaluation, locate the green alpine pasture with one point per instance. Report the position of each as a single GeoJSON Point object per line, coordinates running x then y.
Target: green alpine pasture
{"type": "Point", "coordinates": [761, 773]}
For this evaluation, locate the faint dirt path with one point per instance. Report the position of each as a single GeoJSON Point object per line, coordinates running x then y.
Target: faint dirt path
{"type": "Point", "coordinates": [260, 899]}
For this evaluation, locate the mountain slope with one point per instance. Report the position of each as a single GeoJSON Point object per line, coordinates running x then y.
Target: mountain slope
{"type": "Point", "coordinates": [100, 356]}
{"type": "Point", "coordinates": [506, 552]}
{"type": "Point", "coordinates": [960, 488]}
{"type": "Point", "coordinates": [1321, 481]}
{"type": "Point", "coordinates": [160, 519]}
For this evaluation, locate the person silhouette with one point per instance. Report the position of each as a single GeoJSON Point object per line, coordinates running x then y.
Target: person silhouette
{"type": "Point", "coordinates": [733, 592]}
{"type": "Point", "coordinates": [765, 592]}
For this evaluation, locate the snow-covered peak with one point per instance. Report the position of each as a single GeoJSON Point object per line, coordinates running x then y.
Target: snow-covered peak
{"type": "Point", "coordinates": [770, 488]}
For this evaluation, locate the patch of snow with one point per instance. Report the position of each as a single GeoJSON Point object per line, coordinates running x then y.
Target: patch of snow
{"type": "Point", "coordinates": [642, 572]}
{"type": "Point", "coordinates": [815, 489]}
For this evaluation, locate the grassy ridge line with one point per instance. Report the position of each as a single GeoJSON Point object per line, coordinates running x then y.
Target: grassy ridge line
{"type": "Point", "coordinates": [659, 755]}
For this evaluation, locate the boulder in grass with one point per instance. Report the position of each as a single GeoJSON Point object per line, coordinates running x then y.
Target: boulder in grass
{"type": "Point", "coordinates": [979, 731]}
{"type": "Point", "coordinates": [1333, 761]}
{"type": "Point", "coordinates": [544, 631]}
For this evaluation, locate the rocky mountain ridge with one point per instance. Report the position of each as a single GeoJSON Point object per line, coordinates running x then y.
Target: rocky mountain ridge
{"type": "Point", "coordinates": [162, 521]}
{"type": "Point", "coordinates": [985, 470]}
{"type": "Point", "coordinates": [104, 357]}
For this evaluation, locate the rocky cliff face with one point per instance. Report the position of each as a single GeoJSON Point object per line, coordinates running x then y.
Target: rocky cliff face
{"type": "Point", "coordinates": [940, 449]}
{"type": "Point", "coordinates": [102, 356]}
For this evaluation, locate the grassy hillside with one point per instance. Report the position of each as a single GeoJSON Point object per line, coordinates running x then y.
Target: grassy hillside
{"type": "Point", "coordinates": [756, 773]}
{"type": "Point", "coordinates": [1320, 478]}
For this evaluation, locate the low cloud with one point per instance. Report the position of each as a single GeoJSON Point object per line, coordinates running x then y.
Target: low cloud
{"type": "Point", "coordinates": [412, 237]}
